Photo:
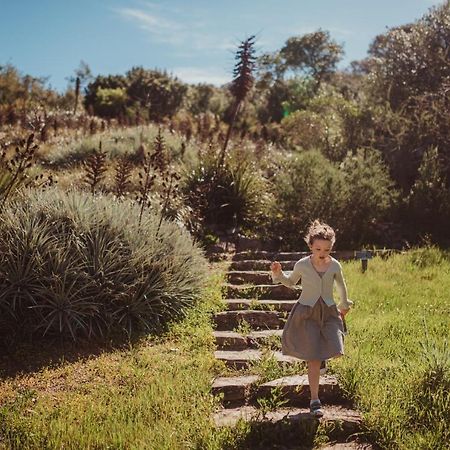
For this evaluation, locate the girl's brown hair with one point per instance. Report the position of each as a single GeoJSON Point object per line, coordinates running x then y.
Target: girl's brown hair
{"type": "Point", "coordinates": [320, 230]}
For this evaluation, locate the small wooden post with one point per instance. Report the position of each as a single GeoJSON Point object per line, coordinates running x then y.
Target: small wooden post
{"type": "Point", "coordinates": [364, 256]}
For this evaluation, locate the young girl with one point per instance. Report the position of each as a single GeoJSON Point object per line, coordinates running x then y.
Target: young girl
{"type": "Point", "coordinates": [314, 330]}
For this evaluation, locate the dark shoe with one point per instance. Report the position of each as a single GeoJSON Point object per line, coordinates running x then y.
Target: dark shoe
{"type": "Point", "coordinates": [315, 408]}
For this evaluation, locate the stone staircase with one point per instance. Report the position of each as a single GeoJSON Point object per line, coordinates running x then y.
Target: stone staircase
{"type": "Point", "coordinates": [245, 333]}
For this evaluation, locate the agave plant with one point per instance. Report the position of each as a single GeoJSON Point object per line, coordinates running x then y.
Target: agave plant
{"type": "Point", "coordinates": [20, 250]}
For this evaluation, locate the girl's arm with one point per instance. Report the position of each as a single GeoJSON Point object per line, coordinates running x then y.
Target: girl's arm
{"type": "Point", "coordinates": [345, 303]}
{"type": "Point", "coordinates": [289, 281]}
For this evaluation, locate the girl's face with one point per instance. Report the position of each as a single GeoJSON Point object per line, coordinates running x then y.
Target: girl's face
{"type": "Point", "coordinates": [321, 248]}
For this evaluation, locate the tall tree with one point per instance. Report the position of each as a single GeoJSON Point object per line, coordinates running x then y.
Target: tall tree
{"type": "Point", "coordinates": [313, 54]}
{"type": "Point", "coordinates": [156, 91]}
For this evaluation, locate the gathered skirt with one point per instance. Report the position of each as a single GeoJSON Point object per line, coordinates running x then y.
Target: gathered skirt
{"type": "Point", "coordinates": [313, 332]}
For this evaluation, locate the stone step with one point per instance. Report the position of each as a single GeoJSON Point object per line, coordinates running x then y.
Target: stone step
{"type": "Point", "coordinates": [259, 264]}
{"type": "Point", "coordinates": [294, 390]}
{"type": "Point", "coordinates": [231, 340]}
{"type": "Point", "coordinates": [268, 255]}
{"type": "Point", "coordinates": [341, 255]}
{"type": "Point", "coordinates": [262, 291]}
{"type": "Point", "coordinates": [256, 319]}
{"type": "Point", "coordinates": [249, 277]}
{"type": "Point", "coordinates": [234, 390]}
{"type": "Point", "coordinates": [234, 304]}
{"type": "Point", "coordinates": [352, 445]}
{"type": "Point", "coordinates": [244, 358]}
{"type": "Point", "coordinates": [340, 422]}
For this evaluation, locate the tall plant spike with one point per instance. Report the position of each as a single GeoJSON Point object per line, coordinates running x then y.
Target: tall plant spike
{"type": "Point", "coordinates": [159, 157]}
{"type": "Point", "coordinates": [122, 175]}
{"type": "Point", "coordinates": [241, 84]}
{"type": "Point", "coordinates": [95, 166]}
{"type": "Point", "coordinates": [13, 172]}
{"type": "Point", "coordinates": [146, 182]}
{"type": "Point", "coordinates": [170, 184]}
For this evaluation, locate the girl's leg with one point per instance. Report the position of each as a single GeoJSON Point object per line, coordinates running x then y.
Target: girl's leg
{"type": "Point", "coordinates": [313, 378]}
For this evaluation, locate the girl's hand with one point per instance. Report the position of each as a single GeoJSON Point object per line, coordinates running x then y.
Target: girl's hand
{"type": "Point", "coordinates": [275, 267]}
{"type": "Point", "coordinates": [343, 312]}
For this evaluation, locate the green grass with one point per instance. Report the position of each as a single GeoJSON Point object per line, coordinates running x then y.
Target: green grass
{"type": "Point", "coordinates": [156, 394]}
{"type": "Point", "coordinates": [70, 153]}
{"type": "Point", "coordinates": [153, 395]}
{"type": "Point", "coordinates": [397, 366]}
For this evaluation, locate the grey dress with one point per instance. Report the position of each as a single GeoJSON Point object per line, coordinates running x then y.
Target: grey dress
{"type": "Point", "coordinates": [313, 332]}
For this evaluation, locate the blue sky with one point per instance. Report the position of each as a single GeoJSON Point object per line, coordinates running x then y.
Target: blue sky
{"type": "Point", "coordinates": [192, 39]}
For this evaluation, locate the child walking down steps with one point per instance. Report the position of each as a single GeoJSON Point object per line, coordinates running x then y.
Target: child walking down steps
{"type": "Point", "coordinates": [314, 331]}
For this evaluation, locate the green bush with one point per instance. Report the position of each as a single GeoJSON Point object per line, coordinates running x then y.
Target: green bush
{"type": "Point", "coordinates": [306, 186]}
{"type": "Point", "coordinates": [76, 265]}
{"type": "Point", "coordinates": [370, 199]}
{"type": "Point", "coordinates": [428, 202]}
{"type": "Point", "coordinates": [225, 198]}
{"type": "Point", "coordinates": [354, 197]}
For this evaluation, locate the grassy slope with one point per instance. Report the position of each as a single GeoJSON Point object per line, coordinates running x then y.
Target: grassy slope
{"type": "Point", "coordinates": [397, 364]}
{"type": "Point", "coordinates": [155, 395]}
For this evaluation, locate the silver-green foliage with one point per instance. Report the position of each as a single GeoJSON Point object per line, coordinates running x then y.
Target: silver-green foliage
{"type": "Point", "coordinates": [80, 265]}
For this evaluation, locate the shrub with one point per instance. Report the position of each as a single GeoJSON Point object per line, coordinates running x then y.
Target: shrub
{"type": "Point", "coordinates": [306, 186]}
{"type": "Point", "coordinates": [225, 198]}
{"type": "Point", "coordinates": [370, 196]}
{"type": "Point", "coordinates": [73, 264]}
{"type": "Point", "coordinates": [428, 202]}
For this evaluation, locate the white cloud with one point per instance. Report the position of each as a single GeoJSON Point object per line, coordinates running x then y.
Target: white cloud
{"type": "Point", "coordinates": [151, 23]}
{"type": "Point", "coordinates": [183, 33]}
{"type": "Point", "coordinates": [201, 75]}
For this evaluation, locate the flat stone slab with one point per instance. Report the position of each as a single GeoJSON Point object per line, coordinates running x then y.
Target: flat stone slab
{"type": "Point", "coordinates": [347, 421]}
{"type": "Point", "coordinates": [347, 446]}
{"type": "Point", "coordinates": [260, 335]}
{"type": "Point", "coordinates": [256, 319]}
{"type": "Point", "coordinates": [243, 358]}
{"type": "Point", "coordinates": [234, 304]}
{"type": "Point", "coordinates": [288, 256]}
{"type": "Point", "coordinates": [259, 264]}
{"type": "Point", "coordinates": [295, 389]}
{"type": "Point", "coordinates": [262, 291]}
{"type": "Point", "coordinates": [234, 389]}
{"type": "Point", "coordinates": [231, 340]}
{"type": "Point", "coordinates": [249, 277]}
{"type": "Point", "coordinates": [269, 256]}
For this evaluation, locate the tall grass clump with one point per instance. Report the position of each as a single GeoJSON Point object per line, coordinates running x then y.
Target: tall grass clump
{"type": "Point", "coordinates": [77, 265]}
